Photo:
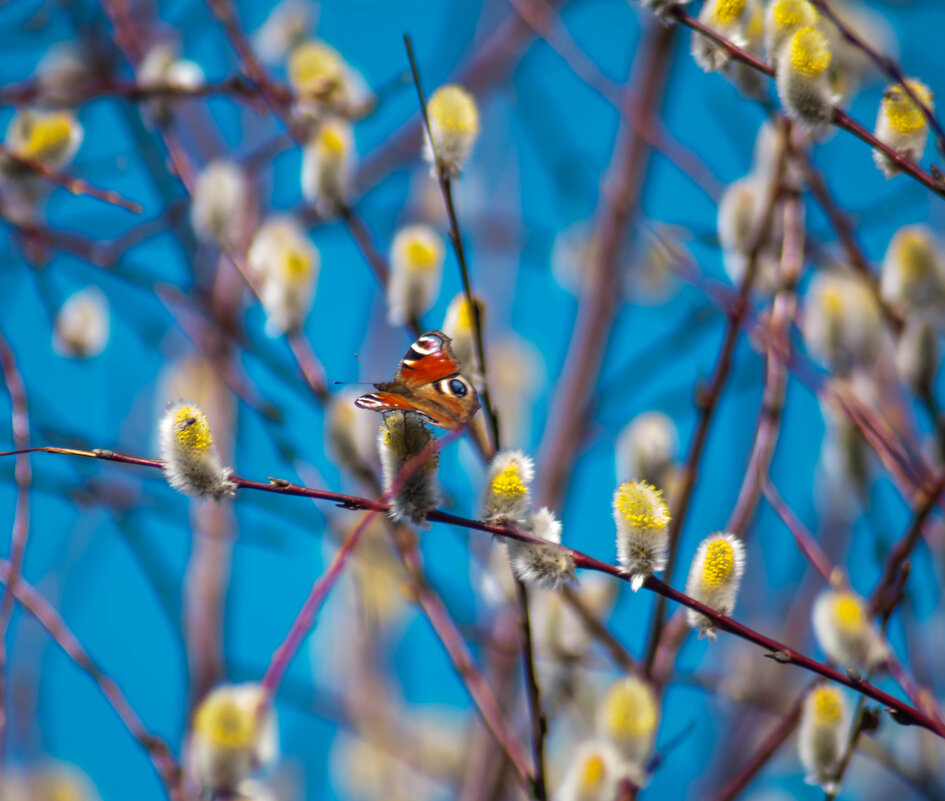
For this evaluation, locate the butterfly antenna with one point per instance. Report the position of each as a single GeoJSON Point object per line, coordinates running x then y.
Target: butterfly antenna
{"type": "Point", "coordinates": [362, 383]}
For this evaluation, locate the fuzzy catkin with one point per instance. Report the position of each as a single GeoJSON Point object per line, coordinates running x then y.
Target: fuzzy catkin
{"type": "Point", "coordinates": [402, 437]}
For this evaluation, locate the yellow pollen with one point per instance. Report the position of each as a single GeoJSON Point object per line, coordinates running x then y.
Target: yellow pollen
{"type": "Point", "coordinates": [904, 115]}
{"type": "Point", "coordinates": [421, 254]}
{"type": "Point", "coordinates": [296, 264]}
{"type": "Point", "coordinates": [727, 11]}
{"type": "Point", "coordinates": [193, 430]}
{"type": "Point", "coordinates": [810, 52]}
{"type": "Point", "coordinates": [48, 136]}
{"type": "Point", "coordinates": [593, 772]}
{"type": "Point", "coordinates": [791, 13]}
{"type": "Point", "coordinates": [224, 723]}
{"type": "Point", "coordinates": [916, 254]}
{"type": "Point", "coordinates": [629, 709]}
{"type": "Point", "coordinates": [827, 708]}
{"type": "Point", "coordinates": [453, 109]}
{"type": "Point", "coordinates": [719, 563]}
{"type": "Point", "coordinates": [508, 483]}
{"type": "Point", "coordinates": [756, 23]}
{"type": "Point", "coordinates": [332, 142]}
{"type": "Point", "coordinates": [832, 300]}
{"type": "Point", "coordinates": [642, 505]}
{"type": "Point", "coordinates": [848, 611]}
{"type": "Point", "coordinates": [313, 66]}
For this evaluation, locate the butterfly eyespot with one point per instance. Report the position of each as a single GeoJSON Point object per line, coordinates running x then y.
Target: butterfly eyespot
{"type": "Point", "coordinates": [457, 387]}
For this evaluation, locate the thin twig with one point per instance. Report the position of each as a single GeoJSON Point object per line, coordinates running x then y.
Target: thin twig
{"type": "Point", "coordinates": [76, 186]}
{"type": "Point", "coordinates": [456, 238]}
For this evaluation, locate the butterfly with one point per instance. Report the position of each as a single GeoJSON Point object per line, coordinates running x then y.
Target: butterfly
{"type": "Point", "coordinates": [427, 383]}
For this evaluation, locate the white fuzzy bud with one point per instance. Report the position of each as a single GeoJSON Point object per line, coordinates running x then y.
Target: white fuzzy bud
{"type": "Point", "coordinates": [458, 325]}
{"type": "Point", "coordinates": [627, 719]}
{"type": "Point", "coordinates": [327, 162]}
{"type": "Point", "coordinates": [822, 736]}
{"type": "Point", "coordinates": [351, 436]}
{"type": "Point", "coordinates": [416, 269]}
{"type": "Point", "coordinates": [647, 448]}
{"type": "Point", "coordinates": [803, 80]}
{"type": "Point", "coordinates": [641, 516]}
{"type": "Point", "coordinates": [286, 264]}
{"type": "Point", "coordinates": [285, 28]}
{"type": "Point", "coordinates": [845, 632]}
{"type": "Point", "coordinates": [454, 125]}
{"type": "Point", "coordinates": [917, 352]}
{"type": "Point", "coordinates": [546, 566]}
{"type": "Point", "coordinates": [901, 124]}
{"type": "Point", "coordinates": [714, 578]}
{"type": "Point", "coordinates": [191, 463]}
{"type": "Point", "coordinates": [842, 325]}
{"type": "Point", "coordinates": [913, 272]}
{"type": "Point", "coordinates": [82, 325]}
{"type": "Point", "coordinates": [507, 498]}
{"type": "Point", "coordinates": [592, 774]}
{"type": "Point", "coordinates": [233, 734]}
{"type": "Point", "coordinates": [219, 204]}
{"type": "Point", "coordinates": [402, 437]}
{"type": "Point", "coordinates": [49, 137]}
{"type": "Point", "coordinates": [728, 18]}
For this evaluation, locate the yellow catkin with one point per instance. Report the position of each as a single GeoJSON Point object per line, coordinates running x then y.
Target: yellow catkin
{"type": "Point", "coordinates": [508, 483]}
{"type": "Point", "coordinates": [827, 708]}
{"type": "Point", "coordinates": [727, 11]}
{"type": "Point", "coordinates": [314, 65]}
{"type": "Point", "coordinates": [848, 612]}
{"type": "Point", "coordinates": [452, 108]}
{"type": "Point", "coordinates": [719, 563]}
{"type": "Point", "coordinates": [642, 505]}
{"type": "Point", "coordinates": [47, 135]}
{"type": "Point", "coordinates": [810, 52]}
{"type": "Point", "coordinates": [593, 772]}
{"type": "Point", "coordinates": [332, 142]}
{"type": "Point", "coordinates": [195, 435]}
{"type": "Point", "coordinates": [916, 254]}
{"type": "Point", "coordinates": [296, 264]}
{"type": "Point", "coordinates": [223, 722]}
{"type": "Point", "coordinates": [788, 13]}
{"type": "Point", "coordinates": [904, 115]}
{"type": "Point", "coordinates": [421, 254]}
{"type": "Point", "coordinates": [630, 711]}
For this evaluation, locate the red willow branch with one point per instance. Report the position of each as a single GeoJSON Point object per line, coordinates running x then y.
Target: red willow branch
{"type": "Point", "coordinates": [806, 542]}
{"type": "Point", "coordinates": [778, 651]}
{"type": "Point", "coordinates": [74, 185]}
{"type": "Point", "coordinates": [21, 516]}
{"type": "Point", "coordinates": [886, 64]}
{"type": "Point", "coordinates": [839, 117]}
{"type": "Point", "coordinates": [50, 620]}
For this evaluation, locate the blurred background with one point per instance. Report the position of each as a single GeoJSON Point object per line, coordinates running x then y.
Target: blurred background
{"type": "Point", "coordinates": [169, 596]}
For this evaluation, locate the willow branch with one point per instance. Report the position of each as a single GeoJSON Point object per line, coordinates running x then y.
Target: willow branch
{"type": "Point", "coordinates": [780, 652]}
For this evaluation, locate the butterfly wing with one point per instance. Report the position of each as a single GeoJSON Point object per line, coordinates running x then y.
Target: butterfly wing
{"type": "Point", "coordinates": [429, 359]}
{"type": "Point", "coordinates": [392, 402]}
{"type": "Point", "coordinates": [427, 382]}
